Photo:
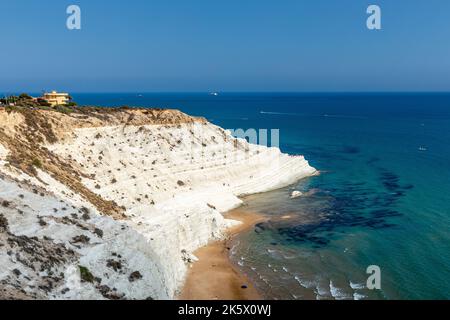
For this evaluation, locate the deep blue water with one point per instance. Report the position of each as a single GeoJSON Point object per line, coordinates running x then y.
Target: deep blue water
{"type": "Point", "coordinates": [383, 197]}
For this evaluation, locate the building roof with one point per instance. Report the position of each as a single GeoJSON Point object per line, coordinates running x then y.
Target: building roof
{"type": "Point", "coordinates": [54, 93]}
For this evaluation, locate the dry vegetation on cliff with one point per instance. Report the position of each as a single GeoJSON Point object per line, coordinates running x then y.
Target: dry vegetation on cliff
{"type": "Point", "coordinates": [27, 132]}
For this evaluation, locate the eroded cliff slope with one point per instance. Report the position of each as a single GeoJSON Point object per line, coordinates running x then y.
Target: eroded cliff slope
{"type": "Point", "coordinates": [111, 203]}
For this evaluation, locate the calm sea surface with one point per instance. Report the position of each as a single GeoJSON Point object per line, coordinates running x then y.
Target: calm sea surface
{"type": "Point", "coordinates": [383, 197]}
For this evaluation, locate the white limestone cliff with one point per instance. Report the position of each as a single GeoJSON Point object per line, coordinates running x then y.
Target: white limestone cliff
{"type": "Point", "coordinates": [170, 179]}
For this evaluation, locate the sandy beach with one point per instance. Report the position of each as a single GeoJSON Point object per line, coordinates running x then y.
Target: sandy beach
{"type": "Point", "coordinates": [214, 277]}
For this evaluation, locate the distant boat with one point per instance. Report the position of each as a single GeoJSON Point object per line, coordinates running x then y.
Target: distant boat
{"type": "Point", "coordinates": [214, 93]}
{"type": "Point", "coordinates": [422, 149]}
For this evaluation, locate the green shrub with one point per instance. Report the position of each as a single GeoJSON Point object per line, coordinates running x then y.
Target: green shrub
{"type": "Point", "coordinates": [12, 108]}
{"type": "Point", "coordinates": [36, 163]}
{"type": "Point", "coordinates": [43, 103]}
{"type": "Point", "coordinates": [25, 96]}
{"type": "Point", "coordinates": [85, 274]}
{"type": "Point", "coordinates": [64, 109]}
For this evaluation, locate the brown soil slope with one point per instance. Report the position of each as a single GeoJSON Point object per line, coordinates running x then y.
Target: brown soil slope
{"type": "Point", "coordinates": [25, 132]}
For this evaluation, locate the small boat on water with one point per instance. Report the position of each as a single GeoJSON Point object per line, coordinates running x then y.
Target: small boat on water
{"type": "Point", "coordinates": [214, 93]}
{"type": "Point", "coordinates": [422, 149]}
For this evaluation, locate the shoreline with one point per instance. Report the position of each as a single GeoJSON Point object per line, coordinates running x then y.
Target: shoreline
{"type": "Point", "coordinates": [155, 181]}
{"type": "Point", "coordinates": [214, 276]}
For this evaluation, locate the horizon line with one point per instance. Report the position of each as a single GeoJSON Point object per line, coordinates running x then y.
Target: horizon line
{"type": "Point", "coordinates": [9, 92]}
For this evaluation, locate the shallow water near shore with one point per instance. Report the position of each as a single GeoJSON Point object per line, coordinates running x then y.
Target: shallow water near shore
{"type": "Point", "coordinates": [383, 197]}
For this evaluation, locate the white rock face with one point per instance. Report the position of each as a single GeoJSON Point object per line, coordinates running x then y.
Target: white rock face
{"type": "Point", "coordinates": [174, 181]}
{"type": "Point", "coordinates": [3, 154]}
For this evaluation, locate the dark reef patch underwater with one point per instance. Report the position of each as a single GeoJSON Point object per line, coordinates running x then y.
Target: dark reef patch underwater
{"type": "Point", "coordinates": [354, 204]}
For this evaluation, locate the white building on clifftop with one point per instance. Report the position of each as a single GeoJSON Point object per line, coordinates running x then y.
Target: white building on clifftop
{"type": "Point", "coordinates": [56, 98]}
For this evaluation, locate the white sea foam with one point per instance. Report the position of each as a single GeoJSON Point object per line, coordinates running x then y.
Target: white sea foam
{"type": "Point", "coordinates": [281, 113]}
{"type": "Point", "coordinates": [321, 291]}
{"type": "Point", "coordinates": [359, 296]}
{"type": "Point", "coordinates": [343, 116]}
{"type": "Point", "coordinates": [307, 284]}
{"type": "Point", "coordinates": [338, 293]}
{"type": "Point", "coordinates": [234, 248]}
{"type": "Point", "coordinates": [357, 286]}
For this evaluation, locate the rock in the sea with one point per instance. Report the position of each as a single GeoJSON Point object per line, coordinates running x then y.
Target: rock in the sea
{"type": "Point", "coordinates": [296, 194]}
{"type": "Point", "coordinates": [188, 257]}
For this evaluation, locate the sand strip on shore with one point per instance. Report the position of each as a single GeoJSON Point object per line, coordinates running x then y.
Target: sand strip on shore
{"type": "Point", "coordinates": [214, 277]}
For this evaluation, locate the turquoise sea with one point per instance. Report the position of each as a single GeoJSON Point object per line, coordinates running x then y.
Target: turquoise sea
{"type": "Point", "coordinates": [383, 197]}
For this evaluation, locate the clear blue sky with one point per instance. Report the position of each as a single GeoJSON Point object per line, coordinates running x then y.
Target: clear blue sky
{"type": "Point", "coordinates": [232, 45]}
